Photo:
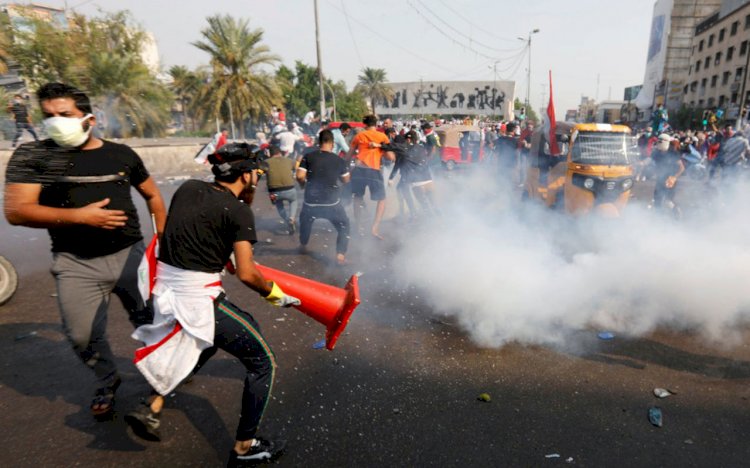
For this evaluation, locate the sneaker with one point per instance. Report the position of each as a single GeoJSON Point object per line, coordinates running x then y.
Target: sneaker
{"type": "Point", "coordinates": [292, 227]}
{"type": "Point", "coordinates": [264, 452]}
{"type": "Point", "coordinates": [145, 423]}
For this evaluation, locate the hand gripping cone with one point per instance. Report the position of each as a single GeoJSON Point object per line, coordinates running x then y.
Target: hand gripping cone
{"type": "Point", "coordinates": [327, 304]}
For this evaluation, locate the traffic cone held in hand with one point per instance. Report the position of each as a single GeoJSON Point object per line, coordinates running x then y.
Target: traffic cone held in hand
{"type": "Point", "coordinates": [326, 304]}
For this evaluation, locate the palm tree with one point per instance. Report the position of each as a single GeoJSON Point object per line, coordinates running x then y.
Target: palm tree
{"type": "Point", "coordinates": [185, 85]}
{"type": "Point", "coordinates": [238, 87]}
{"type": "Point", "coordinates": [136, 104]}
{"type": "Point", "coordinates": [372, 83]}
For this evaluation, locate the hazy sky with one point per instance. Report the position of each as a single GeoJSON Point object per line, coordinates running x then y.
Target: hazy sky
{"type": "Point", "coordinates": [578, 39]}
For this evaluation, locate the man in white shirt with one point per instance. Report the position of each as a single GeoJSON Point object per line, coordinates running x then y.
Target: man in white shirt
{"type": "Point", "coordinates": [307, 121]}
{"type": "Point", "coordinates": [287, 139]}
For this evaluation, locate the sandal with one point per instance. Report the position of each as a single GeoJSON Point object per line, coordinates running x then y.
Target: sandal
{"type": "Point", "coordinates": [103, 403]}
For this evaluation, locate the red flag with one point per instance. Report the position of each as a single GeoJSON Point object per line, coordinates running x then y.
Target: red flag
{"type": "Point", "coordinates": [551, 124]}
{"type": "Point", "coordinates": [147, 269]}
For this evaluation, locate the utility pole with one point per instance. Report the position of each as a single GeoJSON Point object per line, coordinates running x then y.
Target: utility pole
{"type": "Point", "coordinates": [320, 65]}
{"type": "Point", "coordinates": [528, 70]}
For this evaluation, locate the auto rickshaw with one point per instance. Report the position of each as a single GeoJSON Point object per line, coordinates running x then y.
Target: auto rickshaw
{"type": "Point", "coordinates": [460, 144]}
{"type": "Point", "coordinates": [593, 172]}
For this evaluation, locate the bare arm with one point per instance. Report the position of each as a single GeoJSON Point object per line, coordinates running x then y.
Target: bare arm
{"type": "Point", "coordinates": [301, 176]}
{"type": "Point", "coordinates": [680, 170]}
{"type": "Point", "coordinates": [246, 270]}
{"type": "Point", "coordinates": [150, 192]}
{"type": "Point", "coordinates": [22, 208]}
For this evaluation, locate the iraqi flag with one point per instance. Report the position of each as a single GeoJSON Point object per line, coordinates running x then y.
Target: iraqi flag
{"type": "Point", "coordinates": [550, 124]}
{"type": "Point", "coordinates": [210, 148]}
{"type": "Point", "coordinates": [147, 269]}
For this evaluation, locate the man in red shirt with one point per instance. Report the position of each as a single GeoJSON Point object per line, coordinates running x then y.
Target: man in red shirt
{"type": "Point", "coordinates": [365, 148]}
{"type": "Point", "coordinates": [221, 138]}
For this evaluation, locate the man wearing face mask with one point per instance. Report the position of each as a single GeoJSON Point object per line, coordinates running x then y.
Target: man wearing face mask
{"type": "Point", "coordinates": [78, 188]}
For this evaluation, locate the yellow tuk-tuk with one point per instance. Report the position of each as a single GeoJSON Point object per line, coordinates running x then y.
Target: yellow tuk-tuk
{"type": "Point", "coordinates": [593, 171]}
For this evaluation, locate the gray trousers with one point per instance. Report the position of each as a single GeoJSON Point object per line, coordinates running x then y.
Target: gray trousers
{"type": "Point", "coordinates": [84, 289]}
{"type": "Point", "coordinates": [283, 197]}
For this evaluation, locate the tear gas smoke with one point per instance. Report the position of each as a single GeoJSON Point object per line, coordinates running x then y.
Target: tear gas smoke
{"type": "Point", "coordinates": [532, 276]}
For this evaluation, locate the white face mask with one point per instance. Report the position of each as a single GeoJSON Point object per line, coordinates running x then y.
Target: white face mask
{"type": "Point", "coordinates": [68, 132]}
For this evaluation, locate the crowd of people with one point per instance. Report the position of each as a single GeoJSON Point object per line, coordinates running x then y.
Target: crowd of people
{"type": "Point", "coordinates": [78, 187]}
{"type": "Point", "coordinates": [705, 155]}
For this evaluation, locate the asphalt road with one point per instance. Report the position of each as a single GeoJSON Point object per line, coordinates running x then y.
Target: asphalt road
{"type": "Point", "coordinates": [400, 389]}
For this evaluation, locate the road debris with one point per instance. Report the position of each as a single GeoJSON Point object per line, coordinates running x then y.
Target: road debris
{"type": "Point", "coordinates": [654, 416]}
{"type": "Point", "coordinates": [605, 335]}
{"type": "Point", "coordinates": [25, 335]}
{"type": "Point", "coordinates": [484, 397]}
{"type": "Point", "coordinates": [319, 344]}
{"type": "Point", "coordinates": [661, 392]}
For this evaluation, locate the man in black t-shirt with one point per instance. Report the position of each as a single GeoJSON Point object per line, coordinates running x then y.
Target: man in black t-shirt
{"type": "Point", "coordinates": [78, 187]}
{"type": "Point", "coordinates": [323, 172]}
{"type": "Point", "coordinates": [207, 223]}
{"type": "Point", "coordinates": [669, 168]}
{"type": "Point", "coordinates": [21, 115]}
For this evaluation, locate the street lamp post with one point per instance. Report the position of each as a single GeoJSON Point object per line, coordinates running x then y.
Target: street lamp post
{"type": "Point", "coordinates": [528, 77]}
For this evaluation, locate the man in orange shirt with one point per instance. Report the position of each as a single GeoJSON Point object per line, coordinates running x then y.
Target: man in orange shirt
{"type": "Point", "coordinates": [365, 148]}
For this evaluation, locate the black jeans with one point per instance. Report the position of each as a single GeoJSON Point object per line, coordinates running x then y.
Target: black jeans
{"type": "Point", "coordinates": [662, 194]}
{"type": "Point", "coordinates": [335, 214]}
{"type": "Point", "coordinates": [238, 334]}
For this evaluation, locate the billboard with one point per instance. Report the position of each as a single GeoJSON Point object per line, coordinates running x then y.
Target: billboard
{"type": "Point", "coordinates": [631, 92]}
{"type": "Point", "coordinates": [450, 98]}
{"type": "Point", "coordinates": [657, 53]}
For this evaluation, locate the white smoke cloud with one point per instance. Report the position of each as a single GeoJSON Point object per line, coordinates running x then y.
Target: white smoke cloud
{"type": "Point", "coordinates": [533, 276]}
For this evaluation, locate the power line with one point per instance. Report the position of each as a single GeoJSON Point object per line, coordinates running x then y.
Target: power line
{"type": "Point", "coordinates": [349, 25]}
{"type": "Point", "coordinates": [394, 44]}
{"type": "Point", "coordinates": [461, 33]}
{"type": "Point", "coordinates": [517, 63]}
{"type": "Point", "coordinates": [474, 26]}
{"type": "Point", "coordinates": [452, 39]}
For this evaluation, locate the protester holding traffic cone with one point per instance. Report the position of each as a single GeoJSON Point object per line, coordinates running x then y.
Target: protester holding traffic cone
{"type": "Point", "coordinates": [207, 222]}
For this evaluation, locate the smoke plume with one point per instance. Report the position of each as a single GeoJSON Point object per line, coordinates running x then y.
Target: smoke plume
{"type": "Point", "coordinates": [530, 275]}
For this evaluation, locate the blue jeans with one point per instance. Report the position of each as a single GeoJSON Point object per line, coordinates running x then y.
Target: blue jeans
{"type": "Point", "coordinates": [282, 198]}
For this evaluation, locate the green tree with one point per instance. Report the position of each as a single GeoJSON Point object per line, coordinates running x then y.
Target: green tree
{"type": "Point", "coordinates": [301, 91]}
{"type": "Point", "coordinates": [6, 42]}
{"type": "Point", "coordinates": [135, 103]}
{"type": "Point", "coordinates": [350, 106]}
{"type": "Point", "coordinates": [530, 114]}
{"type": "Point", "coordinates": [103, 57]}
{"type": "Point", "coordinates": [372, 83]}
{"type": "Point", "coordinates": [300, 88]}
{"type": "Point", "coordinates": [185, 85]}
{"type": "Point", "coordinates": [238, 84]}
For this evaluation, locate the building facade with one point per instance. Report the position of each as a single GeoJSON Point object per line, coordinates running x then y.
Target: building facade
{"type": "Point", "coordinates": [668, 59]}
{"type": "Point", "coordinates": [718, 73]}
